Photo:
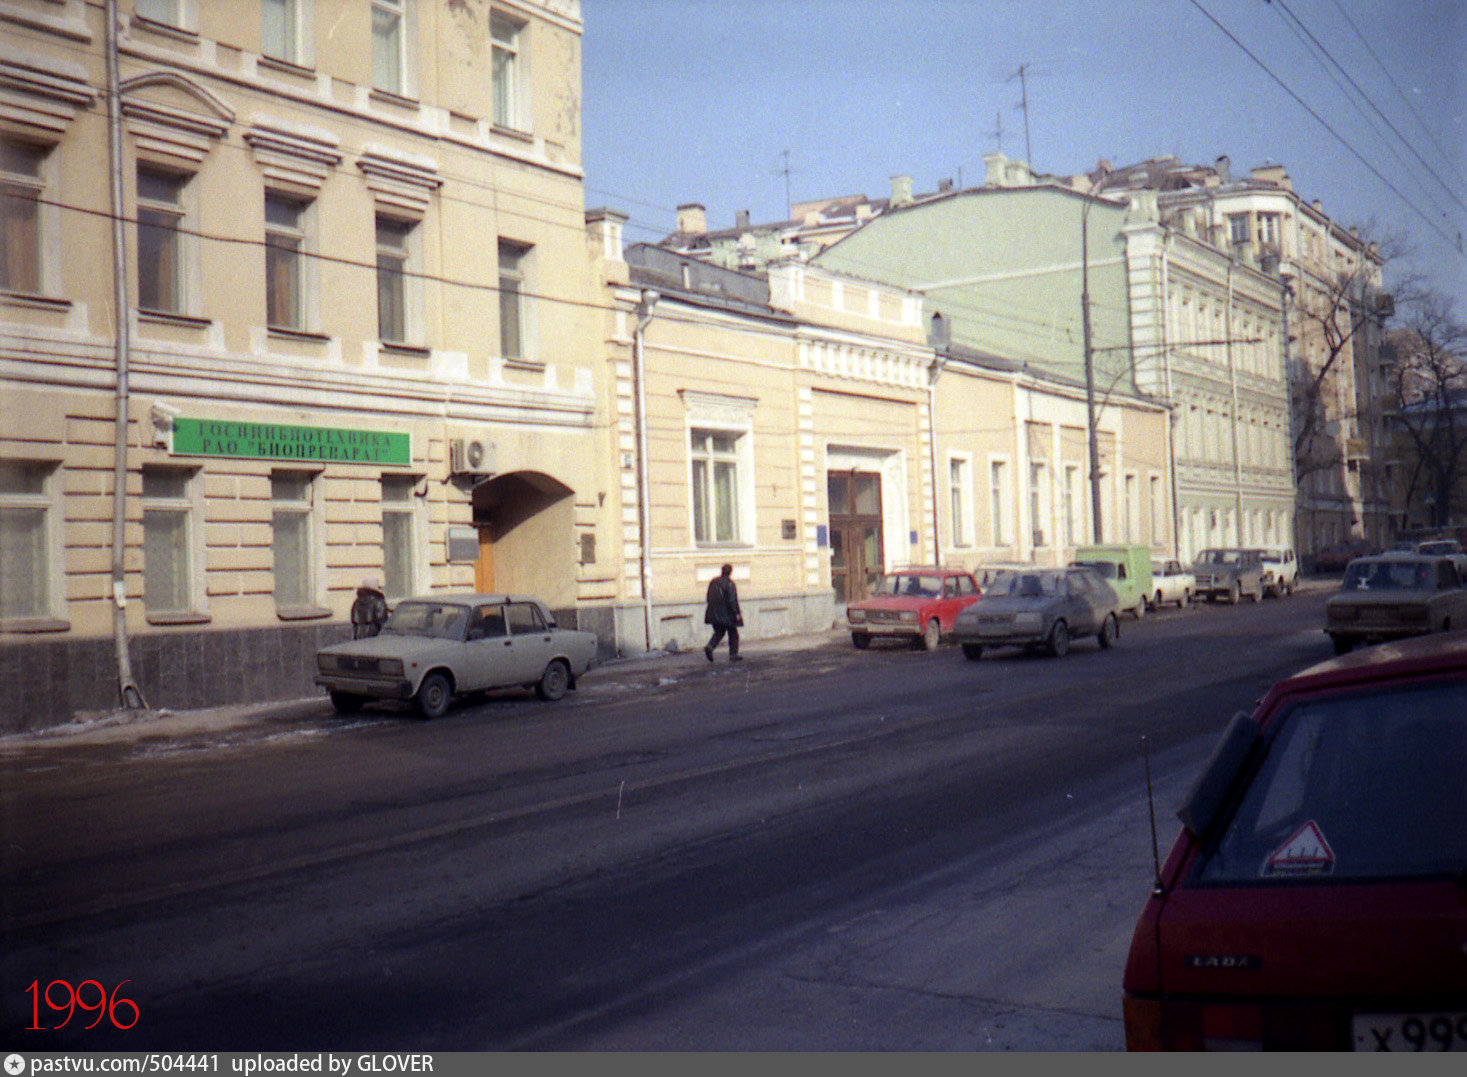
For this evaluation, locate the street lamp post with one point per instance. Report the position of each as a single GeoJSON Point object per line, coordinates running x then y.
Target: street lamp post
{"type": "Point", "coordinates": [1094, 437]}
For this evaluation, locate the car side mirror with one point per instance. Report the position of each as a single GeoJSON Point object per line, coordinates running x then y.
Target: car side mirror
{"type": "Point", "coordinates": [1205, 800]}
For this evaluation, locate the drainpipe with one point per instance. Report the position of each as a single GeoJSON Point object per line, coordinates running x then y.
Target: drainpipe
{"type": "Point", "coordinates": [1166, 356]}
{"type": "Point", "coordinates": [128, 693]}
{"type": "Point", "coordinates": [1233, 381]}
{"type": "Point", "coordinates": [939, 362]}
{"type": "Point", "coordinates": [644, 498]}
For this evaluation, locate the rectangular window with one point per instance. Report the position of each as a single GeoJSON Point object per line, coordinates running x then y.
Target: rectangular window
{"type": "Point", "coordinates": [959, 486]}
{"type": "Point", "coordinates": [20, 216]}
{"type": "Point", "coordinates": [1132, 508]}
{"type": "Point", "coordinates": [1037, 500]}
{"type": "Point", "coordinates": [167, 541]}
{"type": "Point", "coordinates": [291, 538]}
{"type": "Point", "coordinates": [392, 262]}
{"type": "Point", "coordinates": [167, 12]}
{"type": "Point", "coordinates": [505, 34]}
{"type": "Point", "coordinates": [1268, 229]}
{"type": "Point", "coordinates": [399, 555]}
{"type": "Point", "coordinates": [1158, 511]}
{"type": "Point", "coordinates": [513, 262]}
{"type": "Point", "coordinates": [389, 43]}
{"type": "Point", "coordinates": [715, 459]}
{"type": "Point", "coordinates": [998, 498]}
{"type": "Point", "coordinates": [285, 240]}
{"type": "Point", "coordinates": [25, 565]}
{"type": "Point", "coordinates": [1238, 228]}
{"type": "Point", "coordinates": [160, 240]}
{"type": "Point", "coordinates": [279, 29]}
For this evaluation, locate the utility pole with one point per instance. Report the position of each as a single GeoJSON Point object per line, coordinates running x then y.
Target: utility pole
{"type": "Point", "coordinates": [786, 172]}
{"type": "Point", "coordinates": [1024, 107]}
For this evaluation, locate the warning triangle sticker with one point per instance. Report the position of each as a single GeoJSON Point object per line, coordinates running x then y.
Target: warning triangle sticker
{"type": "Point", "coordinates": [1304, 852]}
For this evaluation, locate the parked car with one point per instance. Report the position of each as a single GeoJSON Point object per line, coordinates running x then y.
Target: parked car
{"type": "Point", "coordinates": [1280, 571]}
{"type": "Point", "coordinates": [1126, 568]}
{"type": "Point", "coordinates": [1040, 607]}
{"type": "Point", "coordinates": [1335, 558]}
{"type": "Point", "coordinates": [1171, 582]}
{"type": "Point", "coordinates": [1395, 595]}
{"type": "Point", "coordinates": [1314, 898]}
{"type": "Point", "coordinates": [1229, 574]}
{"type": "Point", "coordinates": [438, 646]}
{"type": "Point", "coordinates": [915, 604]}
{"type": "Point", "coordinates": [1441, 547]}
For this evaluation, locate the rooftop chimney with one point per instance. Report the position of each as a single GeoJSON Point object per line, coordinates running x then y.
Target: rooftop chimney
{"type": "Point", "coordinates": [901, 190]}
{"type": "Point", "coordinates": [741, 219]}
{"type": "Point", "coordinates": [692, 218]}
{"type": "Point", "coordinates": [1224, 170]}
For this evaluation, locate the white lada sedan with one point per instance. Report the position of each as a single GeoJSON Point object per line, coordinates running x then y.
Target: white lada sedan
{"type": "Point", "coordinates": [439, 646]}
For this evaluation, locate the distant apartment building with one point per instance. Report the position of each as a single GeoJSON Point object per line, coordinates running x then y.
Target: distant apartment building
{"type": "Point", "coordinates": [354, 334]}
{"type": "Point", "coordinates": [1335, 313]}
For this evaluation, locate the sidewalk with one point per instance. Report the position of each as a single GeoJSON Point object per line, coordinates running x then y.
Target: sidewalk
{"type": "Point", "coordinates": [162, 724]}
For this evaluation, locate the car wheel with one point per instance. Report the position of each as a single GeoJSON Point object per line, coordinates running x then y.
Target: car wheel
{"type": "Point", "coordinates": [1342, 644]}
{"type": "Point", "coordinates": [862, 640]}
{"type": "Point", "coordinates": [1156, 605]}
{"type": "Point", "coordinates": [434, 695]}
{"type": "Point", "coordinates": [932, 635]}
{"type": "Point", "coordinates": [1109, 629]}
{"type": "Point", "coordinates": [1235, 594]}
{"type": "Point", "coordinates": [1140, 610]}
{"type": "Point", "coordinates": [554, 681]}
{"type": "Point", "coordinates": [1059, 639]}
{"type": "Point", "coordinates": [972, 651]}
{"type": "Point", "coordinates": [1185, 600]}
{"type": "Point", "coordinates": [346, 703]}
{"type": "Point", "coordinates": [1254, 596]}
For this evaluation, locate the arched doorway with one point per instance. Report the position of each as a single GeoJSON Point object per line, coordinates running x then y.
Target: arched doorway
{"type": "Point", "coordinates": [526, 524]}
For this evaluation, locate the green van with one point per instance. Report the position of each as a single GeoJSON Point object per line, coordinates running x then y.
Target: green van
{"type": "Point", "coordinates": [1126, 568]}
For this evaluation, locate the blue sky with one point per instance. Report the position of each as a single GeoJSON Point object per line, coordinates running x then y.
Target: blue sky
{"type": "Point", "coordinates": [699, 100]}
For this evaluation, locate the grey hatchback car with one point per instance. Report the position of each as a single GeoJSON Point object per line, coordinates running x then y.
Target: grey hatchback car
{"type": "Point", "coordinates": [1040, 607]}
{"type": "Point", "coordinates": [439, 646]}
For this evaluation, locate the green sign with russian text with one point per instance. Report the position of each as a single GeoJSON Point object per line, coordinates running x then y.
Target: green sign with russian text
{"type": "Point", "coordinates": [278, 441]}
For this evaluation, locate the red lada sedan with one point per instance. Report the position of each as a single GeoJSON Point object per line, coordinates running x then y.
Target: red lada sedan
{"type": "Point", "coordinates": [914, 604]}
{"type": "Point", "coordinates": [1316, 898]}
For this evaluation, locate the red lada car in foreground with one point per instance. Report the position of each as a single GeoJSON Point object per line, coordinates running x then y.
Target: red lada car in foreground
{"type": "Point", "coordinates": [915, 604]}
{"type": "Point", "coordinates": [1316, 898]}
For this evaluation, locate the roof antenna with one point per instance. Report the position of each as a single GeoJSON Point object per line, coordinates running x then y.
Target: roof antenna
{"type": "Point", "coordinates": [1157, 887]}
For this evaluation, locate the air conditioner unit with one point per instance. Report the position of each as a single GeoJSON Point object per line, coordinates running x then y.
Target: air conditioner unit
{"type": "Point", "coordinates": [470, 456]}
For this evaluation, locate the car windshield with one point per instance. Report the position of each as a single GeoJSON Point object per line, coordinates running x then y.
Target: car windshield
{"type": "Point", "coordinates": [1387, 576]}
{"type": "Point", "coordinates": [1272, 556]}
{"type": "Point", "coordinates": [1219, 557]}
{"type": "Point", "coordinates": [438, 620]}
{"type": "Point", "coordinates": [1102, 568]}
{"type": "Point", "coordinates": [914, 584]}
{"type": "Point", "coordinates": [1024, 585]}
{"type": "Point", "coordinates": [1352, 787]}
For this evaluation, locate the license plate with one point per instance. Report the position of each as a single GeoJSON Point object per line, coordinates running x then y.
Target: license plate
{"type": "Point", "coordinates": [1410, 1031]}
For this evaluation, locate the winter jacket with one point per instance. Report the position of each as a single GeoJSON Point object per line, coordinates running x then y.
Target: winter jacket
{"type": "Point", "coordinates": [723, 604]}
{"type": "Point", "coordinates": [368, 613]}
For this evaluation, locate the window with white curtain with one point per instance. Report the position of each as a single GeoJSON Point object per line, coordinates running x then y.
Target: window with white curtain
{"type": "Point", "coordinates": [168, 578]}
{"type": "Point", "coordinates": [507, 36]}
{"type": "Point", "coordinates": [715, 457]}
{"type": "Point", "coordinates": [25, 539]}
{"type": "Point", "coordinates": [389, 45]}
{"type": "Point", "coordinates": [292, 538]}
{"type": "Point", "coordinates": [161, 241]}
{"type": "Point", "coordinates": [399, 546]}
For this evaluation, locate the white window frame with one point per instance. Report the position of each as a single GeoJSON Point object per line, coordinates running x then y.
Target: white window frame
{"type": "Point", "coordinates": [1070, 500]}
{"type": "Point", "coordinates": [1000, 498]}
{"type": "Point", "coordinates": [1158, 509]}
{"type": "Point", "coordinates": [178, 14]}
{"type": "Point", "coordinates": [514, 282]}
{"type": "Point", "coordinates": [295, 238]}
{"type": "Point", "coordinates": [408, 510]}
{"type": "Point", "coordinates": [705, 463]}
{"type": "Point", "coordinates": [1039, 533]}
{"type": "Point", "coordinates": [296, 45]}
{"type": "Point", "coordinates": [960, 499]}
{"type": "Point", "coordinates": [402, 80]}
{"type": "Point", "coordinates": [508, 71]}
{"type": "Point", "coordinates": [188, 505]}
{"type": "Point", "coordinates": [409, 278]}
{"type": "Point", "coordinates": [1240, 229]}
{"type": "Point", "coordinates": [179, 216]}
{"type": "Point", "coordinates": [1131, 495]}
{"type": "Point", "coordinates": [17, 189]}
{"type": "Point", "coordinates": [309, 510]}
{"type": "Point", "coordinates": [45, 500]}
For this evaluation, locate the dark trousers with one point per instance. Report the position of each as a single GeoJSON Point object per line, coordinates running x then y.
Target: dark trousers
{"type": "Point", "coordinates": [733, 639]}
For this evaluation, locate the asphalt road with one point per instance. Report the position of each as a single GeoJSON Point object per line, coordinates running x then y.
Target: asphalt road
{"type": "Point", "coordinates": [816, 849]}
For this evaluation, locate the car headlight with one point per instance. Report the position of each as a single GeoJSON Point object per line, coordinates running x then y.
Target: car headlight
{"type": "Point", "coordinates": [327, 663]}
{"type": "Point", "coordinates": [391, 667]}
{"type": "Point", "coordinates": [909, 617]}
{"type": "Point", "coordinates": [1028, 618]}
{"type": "Point", "coordinates": [856, 616]}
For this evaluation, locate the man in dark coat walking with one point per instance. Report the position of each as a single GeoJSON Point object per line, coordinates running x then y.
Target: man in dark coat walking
{"type": "Point", "coordinates": [723, 614]}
